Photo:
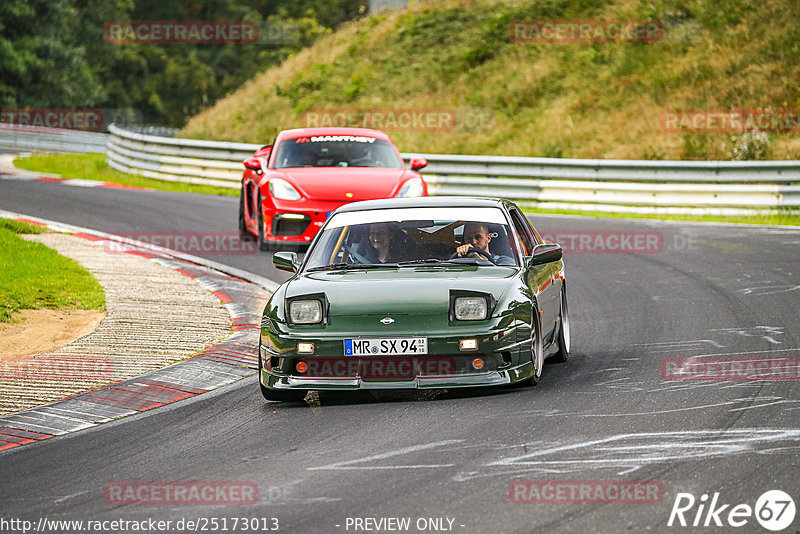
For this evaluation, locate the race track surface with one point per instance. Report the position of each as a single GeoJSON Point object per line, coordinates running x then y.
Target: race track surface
{"type": "Point", "coordinates": [608, 415]}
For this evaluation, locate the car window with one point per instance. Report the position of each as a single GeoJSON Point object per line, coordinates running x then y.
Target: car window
{"type": "Point", "coordinates": [336, 151]}
{"type": "Point", "coordinates": [419, 237]}
{"type": "Point", "coordinates": [524, 231]}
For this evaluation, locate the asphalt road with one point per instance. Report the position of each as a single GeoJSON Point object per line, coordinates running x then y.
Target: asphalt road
{"type": "Point", "coordinates": [608, 414]}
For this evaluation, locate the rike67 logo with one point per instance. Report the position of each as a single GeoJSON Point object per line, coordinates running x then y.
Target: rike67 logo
{"type": "Point", "coordinates": [774, 510]}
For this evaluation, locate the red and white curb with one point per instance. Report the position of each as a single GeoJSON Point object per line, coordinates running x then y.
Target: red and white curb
{"type": "Point", "coordinates": [233, 359]}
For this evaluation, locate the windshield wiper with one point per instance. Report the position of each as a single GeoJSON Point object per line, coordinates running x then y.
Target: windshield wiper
{"type": "Point", "coordinates": [420, 262]}
{"type": "Point", "coordinates": [337, 266]}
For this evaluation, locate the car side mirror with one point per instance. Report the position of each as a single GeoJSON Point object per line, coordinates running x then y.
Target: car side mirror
{"type": "Point", "coordinates": [264, 151]}
{"type": "Point", "coordinates": [254, 163]}
{"type": "Point", "coordinates": [418, 163]}
{"type": "Point", "coordinates": [545, 253]}
{"type": "Point", "coordinates": [286, 261]}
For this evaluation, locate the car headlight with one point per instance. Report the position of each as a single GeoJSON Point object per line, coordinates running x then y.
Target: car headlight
{"type": "Point", "coordinates": [283, 190]}
{"type": "Point", "coordinates": [305, 311]}
{"type": "Point", "coordinates": [412, 188]}
{"type": "Point", "coordinates": [470, 308]}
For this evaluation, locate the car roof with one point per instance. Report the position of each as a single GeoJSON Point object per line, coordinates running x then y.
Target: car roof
{"type": "Point", "coordinates": [425, 202]}
{"type": "Point", "coordinates": [300, 132]}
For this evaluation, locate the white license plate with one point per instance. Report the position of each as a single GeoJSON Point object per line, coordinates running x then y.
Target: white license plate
{"type": "Point", "coordinates": [398, 346]}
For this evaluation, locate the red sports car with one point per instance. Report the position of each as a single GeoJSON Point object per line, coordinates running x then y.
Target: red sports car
{"type": "Point", "coordinates": [290, 188]}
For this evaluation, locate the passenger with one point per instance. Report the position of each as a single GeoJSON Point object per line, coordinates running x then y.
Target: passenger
{"type": "Point", "coordinates": [381, 239]}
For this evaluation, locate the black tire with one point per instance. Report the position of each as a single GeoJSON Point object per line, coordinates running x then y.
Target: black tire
{"type": "Point", "coordinates": [262, 244]}
{"type": "Point", "coordinates": [537, 357]}
{"type": "Point", "coordinates": [243, 231]}
{"type": "Point", "coordinates": [281, 395]}
{"type": "Point", "coordinates": [563, 330]}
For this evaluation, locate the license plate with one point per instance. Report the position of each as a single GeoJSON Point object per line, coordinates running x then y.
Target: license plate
{"type": "Point", "coordinates": [386, 346]}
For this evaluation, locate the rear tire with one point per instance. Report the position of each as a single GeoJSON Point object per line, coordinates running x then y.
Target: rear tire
{"type": "Point", "coordinates": [563, 330]}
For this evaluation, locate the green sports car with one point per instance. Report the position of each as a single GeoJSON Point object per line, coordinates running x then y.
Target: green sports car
{"type": "Point", "coordinates": [433, 292]}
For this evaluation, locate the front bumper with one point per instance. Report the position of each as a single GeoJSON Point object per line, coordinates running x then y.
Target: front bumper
{"type": "Point", "coordinates": [296, 221]}
{"type": "Point", "coordinates": [502, 362]}
{"type": "Point", "coordinates": [485, 379]}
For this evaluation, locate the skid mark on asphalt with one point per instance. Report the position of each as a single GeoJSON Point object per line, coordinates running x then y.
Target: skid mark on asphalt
{"type": "Point", "coordinates": [351, 464]}
{"type": "Point", "coordinates": [672, 346]}
{"type": "Point", "coordinates": [767, 333]}
{"type": "Point", "coordinates": [624, 453]}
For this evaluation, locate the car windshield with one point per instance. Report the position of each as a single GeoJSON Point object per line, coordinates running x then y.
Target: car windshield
{"type": "Point", "coordinates": [336, 151]}
{"type": "Point", "coordinates": [414, 236]}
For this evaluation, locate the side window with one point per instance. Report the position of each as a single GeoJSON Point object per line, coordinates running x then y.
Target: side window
{"type": "Point", "coordinates": [524, 230]}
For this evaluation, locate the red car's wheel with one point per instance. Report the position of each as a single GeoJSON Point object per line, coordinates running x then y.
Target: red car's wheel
{"type": "Point", "coordinates": [262, 244]}
{"type": "Point", "coordinates": [243, 231]}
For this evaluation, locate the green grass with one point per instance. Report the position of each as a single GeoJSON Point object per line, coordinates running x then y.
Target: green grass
{"type": "Point", "coordinates": [581, 100]}
{"type": "Point", "coordinates": [36, 277]}
{"type": "Point", "coordinates": [777, 219]}
{"type": "Point", "coordinates": [94, 167]}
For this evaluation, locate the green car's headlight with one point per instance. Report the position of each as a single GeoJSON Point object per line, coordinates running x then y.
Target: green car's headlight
{"type": "Point", "coordinates": [470, 308]}
{"type": "Point", "coordinates": [305, 311]}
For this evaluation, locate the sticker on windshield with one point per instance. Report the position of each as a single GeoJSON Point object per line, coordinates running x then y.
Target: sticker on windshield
{"type": "Point", "coordinates": [335, 138]}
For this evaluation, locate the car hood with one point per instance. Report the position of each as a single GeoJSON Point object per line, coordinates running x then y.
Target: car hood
{"type": "Point", "coordinates": [344, 183]}
{"type": "Point", "coordinates": [403, 290]}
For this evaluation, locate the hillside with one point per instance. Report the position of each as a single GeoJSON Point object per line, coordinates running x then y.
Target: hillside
{"type": "Point", "coordinates": [576, 99]}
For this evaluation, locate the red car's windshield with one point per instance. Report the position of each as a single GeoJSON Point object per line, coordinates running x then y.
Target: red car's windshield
{"type": "Point", "coordinates": [336, 151]}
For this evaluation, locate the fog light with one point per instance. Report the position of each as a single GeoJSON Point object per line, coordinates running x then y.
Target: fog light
{"type": "Point", "coordinates": [305, 348]}
{"type": "Point", "coordinates": [468, 344]}
{"type": "Point", "coordinates": [477, 363]}
{"type": "Point", "coordinates": [301, 367]}
{"type": "Point", "coordinates": [296, 216]}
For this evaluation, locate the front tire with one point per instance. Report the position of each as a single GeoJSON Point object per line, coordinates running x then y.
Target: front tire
{"type": "Point", "coordinates": [563, 330]}
{"type": "Point", "coordinates": [537, 354]}
{"type": "Point", "coordinates": [280, 395]}
{"type": "Point", "coordinates": [243, 231]}
{"type": "Point", "coordinates": [262, 243]}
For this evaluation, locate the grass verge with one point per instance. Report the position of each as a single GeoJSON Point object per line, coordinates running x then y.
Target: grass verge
{"type": "Point", "coordinates": [36, 277]}
{"type": "Point", "coordinates": [94, 167]}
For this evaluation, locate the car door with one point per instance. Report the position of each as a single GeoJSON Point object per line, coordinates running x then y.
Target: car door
{"type": "Point", "coordinates": [543, 279]}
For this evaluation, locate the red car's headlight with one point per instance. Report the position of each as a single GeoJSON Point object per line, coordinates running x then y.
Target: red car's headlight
{"type": "Point", "coordinates": [412, 188]}
{"type": "Point", "coordinates": [283, 190]}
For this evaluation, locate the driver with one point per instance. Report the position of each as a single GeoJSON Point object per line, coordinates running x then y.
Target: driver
{"type": "Point", "coordinates": [477, 235]}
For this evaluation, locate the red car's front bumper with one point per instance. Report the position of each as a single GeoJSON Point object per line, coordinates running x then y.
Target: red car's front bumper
{"type": "Point", "coordinates": [295, 221]}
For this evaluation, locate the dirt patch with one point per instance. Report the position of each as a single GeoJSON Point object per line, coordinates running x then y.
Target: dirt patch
{"type": "Point", "coordinates": [42, 330]}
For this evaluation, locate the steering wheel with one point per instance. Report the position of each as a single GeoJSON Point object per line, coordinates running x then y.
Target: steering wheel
{"type": "Point", "coordinates": [477, 251]}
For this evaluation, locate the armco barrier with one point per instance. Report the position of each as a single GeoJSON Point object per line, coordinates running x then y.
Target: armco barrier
{"type": "Point", "coordinates": [609, 185]}
{"type": "Point", "coordinates": [33, 138]}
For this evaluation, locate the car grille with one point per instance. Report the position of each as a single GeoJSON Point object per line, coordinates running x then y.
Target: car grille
{"type": "Point", "coordinates": [289, 227]}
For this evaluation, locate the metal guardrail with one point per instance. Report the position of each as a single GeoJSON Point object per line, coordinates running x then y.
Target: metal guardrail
{"type": "Point", "coordinates": [33, 138]}
{"type": "Point", "coordinates": [609, 185]}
